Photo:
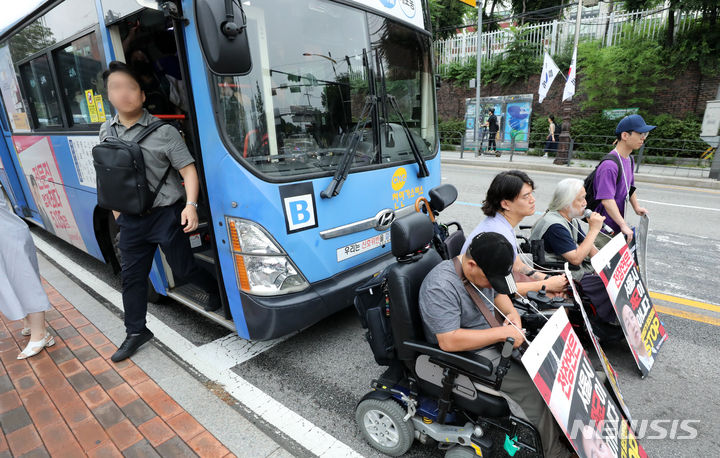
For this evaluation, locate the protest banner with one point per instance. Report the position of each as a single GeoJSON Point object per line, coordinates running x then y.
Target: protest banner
{"type": "Point", "coordinates": [640, 323]}
{"type": "Point", "coordinates": [587, 414]}
{"type": "Point", "coordinates": [607, 367]}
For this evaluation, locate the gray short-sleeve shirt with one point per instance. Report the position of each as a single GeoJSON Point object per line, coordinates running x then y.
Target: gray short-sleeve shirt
{"type": "Point", "coordinates": [445, 304]}
{"type": "Point", "coordinates": [162, 148]}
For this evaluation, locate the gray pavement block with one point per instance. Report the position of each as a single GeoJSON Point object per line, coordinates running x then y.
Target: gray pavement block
{"type": "Point", "coordinates": [109, 379]}
{"type": "Point", "coordinates": [142, 449]}
{"type": "Point", "coordinates": [14, 419]}
{"type": "Point", "coordinates": [108, 414]}
{"type": "Point", "coordinates": [82, 381]}
{"type": "Point", "coordinates": [138, 412]}
{"type": "Point", "coordinates": [175, 448]}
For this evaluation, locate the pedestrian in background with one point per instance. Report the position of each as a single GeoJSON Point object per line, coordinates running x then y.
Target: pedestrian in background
{"type": "Point", "coordinates": [551, 140]}
{"type": "Point", "coordinates": [493, 127]}
{"type": "Point", "coordinates": [21, 291]}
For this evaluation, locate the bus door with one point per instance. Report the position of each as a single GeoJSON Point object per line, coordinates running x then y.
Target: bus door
{"type": "Point", "coordinates": [152, 44]}
{"type": "Point", "coordinates": [8, 173]}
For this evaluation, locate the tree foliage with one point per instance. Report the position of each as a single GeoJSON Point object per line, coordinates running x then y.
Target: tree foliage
{"type": "Point", "coordinates": [445, 15]}
{"type": "Point", "coordinates": [624, 75]}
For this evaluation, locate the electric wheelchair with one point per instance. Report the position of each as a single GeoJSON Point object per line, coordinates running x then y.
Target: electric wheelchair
{"type": "Point", "coordinates": [426, 393]}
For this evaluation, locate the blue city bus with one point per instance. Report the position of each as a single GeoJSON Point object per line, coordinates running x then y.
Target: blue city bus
{"type": "Point", "coordinates": [312, 122]}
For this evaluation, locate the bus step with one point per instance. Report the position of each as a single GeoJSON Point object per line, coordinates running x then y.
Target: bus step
{"type": "Point", "coordinates": [205, 256]}
{"type": "Point", "coordinates": [195, 298]}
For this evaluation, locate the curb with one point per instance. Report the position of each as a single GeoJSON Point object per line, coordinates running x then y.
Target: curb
{"type": "Point", "coordinates": [703, 183]}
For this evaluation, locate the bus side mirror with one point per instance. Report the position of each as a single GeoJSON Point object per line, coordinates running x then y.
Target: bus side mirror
{"type": "Point", "coordinates": [223, 37]}
{"type": "Point", "coordinates": [438, 82]}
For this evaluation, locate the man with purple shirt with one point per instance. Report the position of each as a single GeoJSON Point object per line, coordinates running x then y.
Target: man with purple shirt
{"type": "Point", "coordinates": [614, 193]}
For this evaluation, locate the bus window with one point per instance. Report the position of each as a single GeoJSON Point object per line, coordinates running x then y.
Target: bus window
{"type": "Point", "coordinates": [41, 92]}
{"type": "Point", "coordinates": [80, 70]}
{"type": "Point", "coordinates": [307, 93]}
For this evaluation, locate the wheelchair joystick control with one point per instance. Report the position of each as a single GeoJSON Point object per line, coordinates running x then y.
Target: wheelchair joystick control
{"type": "Point", "coordinates": [542, 292]}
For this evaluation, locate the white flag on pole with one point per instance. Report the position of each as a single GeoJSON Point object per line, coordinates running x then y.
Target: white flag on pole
{"type": "Point", "coordinates": [570, 83]}
{"type": "Point", "coordinates": [549, 72]}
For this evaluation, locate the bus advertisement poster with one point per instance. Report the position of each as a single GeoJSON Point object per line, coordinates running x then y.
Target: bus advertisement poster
{"type": "Point", "coordinates": [81, 152]}
{"type": "Point", "coordinates": [564, 375]}
{"type": "Point", "coordinates": [40, 168]}
{"type": "Point", "coordinates": [640, 323]}
{"type": "Point", "coordinates": [607, 367]}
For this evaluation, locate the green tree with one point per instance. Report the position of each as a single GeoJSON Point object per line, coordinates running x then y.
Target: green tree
{"type": "Point", "coordinates": [521, 7]}
{"type": "Point", "coordinates": [33, 38]}
{"type": "Point", "coordinates": [446, 15]}
{"type": "Point", "coordinates": [624, 75]}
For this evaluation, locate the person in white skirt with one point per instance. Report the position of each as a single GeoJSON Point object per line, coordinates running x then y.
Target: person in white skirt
{"type": "Point", "coordinates": [21, 291]}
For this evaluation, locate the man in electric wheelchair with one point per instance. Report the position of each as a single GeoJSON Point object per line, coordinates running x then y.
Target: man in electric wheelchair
{"type": "Point", "coordinates": [454, 321]}
{"type": "Point", "coordinates": [446, 380]}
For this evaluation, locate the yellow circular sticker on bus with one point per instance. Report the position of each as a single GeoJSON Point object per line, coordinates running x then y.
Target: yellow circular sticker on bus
{"type": "Point", "coordinates": [399, 178]}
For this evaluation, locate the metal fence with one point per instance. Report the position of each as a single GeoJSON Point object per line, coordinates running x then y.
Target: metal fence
{"type": "Point", "coordinates": [659, 156]}
{"type": "Point", "coordinates": [557, 35]}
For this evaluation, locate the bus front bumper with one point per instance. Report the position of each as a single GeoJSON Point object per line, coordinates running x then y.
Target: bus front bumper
{"type": "Point", "coordinates": [269, 317]}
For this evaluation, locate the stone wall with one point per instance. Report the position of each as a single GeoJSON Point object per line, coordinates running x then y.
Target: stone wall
{"type": "Point", "coordinates": [685, 93]}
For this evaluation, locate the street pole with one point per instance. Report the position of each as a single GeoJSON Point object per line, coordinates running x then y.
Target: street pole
{"type": "Point", "coordinates": [563, 154]}
{"type": "Point", "coordinates": [477, 77]}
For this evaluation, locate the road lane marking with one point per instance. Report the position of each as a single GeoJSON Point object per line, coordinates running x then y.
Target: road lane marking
{"type": "Point", "coordinates": [688, 315]}
{"type": "Point", "coordinates": [680, 205]}
{"type": "Point", "coordinates": [682, 188]}
{"type": "Point", "coordinates": [684, 301]}
{"type": "Point", "coordinates": [308, 435]}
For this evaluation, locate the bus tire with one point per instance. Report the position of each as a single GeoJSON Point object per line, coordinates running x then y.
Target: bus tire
{"type": "Point", "coordinates": [114, 236]}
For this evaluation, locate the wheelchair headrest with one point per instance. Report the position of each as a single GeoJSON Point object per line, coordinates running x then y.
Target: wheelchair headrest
{"type": "Point", "coordinates": [441, 197]}
{"type": "Point", "coordinates": [410, 234]}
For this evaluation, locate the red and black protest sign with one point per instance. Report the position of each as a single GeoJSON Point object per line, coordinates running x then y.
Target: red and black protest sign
{"type": "Point", "coordinates": [607, 367]}
{"type": "Point", "coordinates": [564, 375]}
{"type": "Point", "coordinates": [640, 322]}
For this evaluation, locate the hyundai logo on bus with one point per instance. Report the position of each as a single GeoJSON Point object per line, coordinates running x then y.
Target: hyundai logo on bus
{"type": "Point", "coordinates": [298, 202]}
{"type": "Point", "coordinates": [384, 219]}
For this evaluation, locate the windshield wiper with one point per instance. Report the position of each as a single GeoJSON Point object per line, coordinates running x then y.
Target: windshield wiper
{"type": "Point", "coordinates": [423, 172]}
{"type": "Point", "coordinates": [343, 168]}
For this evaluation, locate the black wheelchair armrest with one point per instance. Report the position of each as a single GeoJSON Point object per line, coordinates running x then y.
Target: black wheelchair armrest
{"type": "Point", "coordinates": [523, 227]}
{"type": "Point", "coordinates": [457, 225]}
{"type": "Point", "coordinates": [465, 361]}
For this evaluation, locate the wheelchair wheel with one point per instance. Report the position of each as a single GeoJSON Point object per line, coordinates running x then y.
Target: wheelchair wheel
{"type": "Point", "coordinates": [460, 452]}
{"type": "Point", "coordinates": [382, 425]}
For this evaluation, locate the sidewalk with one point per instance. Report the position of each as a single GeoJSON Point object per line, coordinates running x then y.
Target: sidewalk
{"type": "Point", "coordinates": [71, 400]}
{"type": "Point", "coordinates": [686, 176]}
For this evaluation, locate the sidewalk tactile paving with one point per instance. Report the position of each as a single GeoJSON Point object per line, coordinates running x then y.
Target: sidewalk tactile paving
{"type": "Point", "coordinates": [71, 400]}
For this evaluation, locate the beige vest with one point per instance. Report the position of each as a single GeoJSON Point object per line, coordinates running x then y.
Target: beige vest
{"type": "Point", "coordinates": [542, 225]}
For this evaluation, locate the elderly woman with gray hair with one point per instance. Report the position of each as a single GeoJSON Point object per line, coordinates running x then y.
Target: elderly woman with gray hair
{"type": "Point", "coordinates": [564, 240]}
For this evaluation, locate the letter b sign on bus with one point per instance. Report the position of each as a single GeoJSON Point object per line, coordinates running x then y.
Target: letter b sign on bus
{"type": "Point", "coordinates": [298, 203]}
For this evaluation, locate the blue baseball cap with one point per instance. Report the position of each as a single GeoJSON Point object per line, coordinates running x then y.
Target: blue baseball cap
{"type": "Point", "coordinates": [634, 123]}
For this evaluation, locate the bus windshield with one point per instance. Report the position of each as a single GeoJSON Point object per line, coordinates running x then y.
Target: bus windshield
{"type": "Point", "coordinates": [317, 67]}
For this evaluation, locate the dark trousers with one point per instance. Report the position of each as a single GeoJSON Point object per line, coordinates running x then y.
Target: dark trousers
{"type": "Point", "coordinates": [139, 238]}
{"type": "Point", "coordinates": [594, 288]}
{"type": "Point", "coordinates": [491, 140]}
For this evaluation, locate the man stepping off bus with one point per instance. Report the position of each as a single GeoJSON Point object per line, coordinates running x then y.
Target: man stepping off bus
{"type": "Point", "coordinates": [173, 213]}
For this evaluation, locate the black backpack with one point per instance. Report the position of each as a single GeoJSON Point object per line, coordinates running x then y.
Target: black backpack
{"type": "Point", "coordinates": [122, 184]}
{"type": "Point", "coordinates": [589, 184]}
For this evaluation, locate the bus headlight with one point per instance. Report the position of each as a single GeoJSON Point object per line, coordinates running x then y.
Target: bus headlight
{"type": "Point", "coordinates": [261, 266]}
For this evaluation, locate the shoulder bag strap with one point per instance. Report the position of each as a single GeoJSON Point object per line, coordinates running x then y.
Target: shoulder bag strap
{"type": "Point", "coordinates": [489, 317]}
{"type": "Point", "coordinates": [147, 130]}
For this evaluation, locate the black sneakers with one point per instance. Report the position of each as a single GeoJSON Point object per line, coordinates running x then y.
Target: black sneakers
{"type": "Point", "coordinates": [130, 345]}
